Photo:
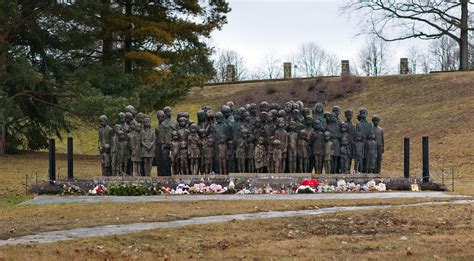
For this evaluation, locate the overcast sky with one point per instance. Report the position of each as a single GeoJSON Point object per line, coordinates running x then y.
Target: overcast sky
{"type": "Point", "coordinates": [257, 27]}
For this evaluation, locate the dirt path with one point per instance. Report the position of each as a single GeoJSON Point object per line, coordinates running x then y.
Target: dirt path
{"type": "Point", "coordinates": [40, 200]}
{"type": "Point", "coordinates": [53, 236]}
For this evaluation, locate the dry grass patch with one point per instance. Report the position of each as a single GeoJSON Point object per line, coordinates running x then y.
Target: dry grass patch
{"type": "Point", "coordinates": [431, 232]}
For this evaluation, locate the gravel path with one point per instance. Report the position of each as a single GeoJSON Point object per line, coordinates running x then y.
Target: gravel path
{"type": "Point", "coordinates": [40, 200]}
{"type": "Point", "coordinates": [53, 236]}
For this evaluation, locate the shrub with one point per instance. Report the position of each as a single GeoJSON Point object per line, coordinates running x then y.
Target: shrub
{"type": "Point", "coordinates": [133, 189]}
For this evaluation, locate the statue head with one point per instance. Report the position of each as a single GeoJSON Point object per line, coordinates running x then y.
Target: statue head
{"type": "Point", "coordinates": [376, 120]}
{"type": "Point", "coordinates": [371, 136]}
{"type": "Point", "coordinates": [121, 117]}
{"type": "Point", "coordinates": [317, 125]}
{"type": "Point", "coordinates": [318, 108]}
{"type": "Point", "coordinates": [272, 115]}
{"type": "Point", "coordinates": [193, 128]}
{"type": "Point", "coordinates": [133, 125]}
{"type": "Point", "coordinates": [348, 114]}
{"type": "Point", "coordinates": [288, 107]}
{"type": "Point", "coordinates": [247, 117]}
{"type": "Point", "coordinates": [305, 111]}
{"type": "Point", "coordinates": [182, 145]}
{"type": "Point", "coordinates": [174, 135]}
{"type": "Point", "coordinates": [138, 127]}
{"type": "Point", "coordinates": [280, 122]}
{"type": "Point", "coordinates": [327, 136]}
{"type": "Point", "coordinates": [210, 116]}
{"type": "Point", "coordinates": [363, 114]}
{"type": "Point", "coordinates": [261, 140]}
{"type": "Point", "coordinates": [264, 107]}
{"type": "Point", "coordinates": [244, 133]}
{"type": "Point", "coordinates": [263, 116]}
{"type": "Point", "coordinates": [202, 133]}
{"type": "Point", "coordinates": [128, 117]}
{"type": "Point", "coordinates": [237, 114]}
{"type": "Point", "coordinates": [131, 109]}
{"type": "Point", "coordinates": [182, 121]}
{"type": "Point", "coordinates": [146, 122]}
{"type": "Point", "coordinates": [281, 113]}
{"type": "Point", "coordinates": [253, 110]}
{"type": "Point", "coordinates": [343, 127]}
{"type": "Point", "coordinates": [206, 108]}
{"type": "Point", "coordinates": [219, 117]}
{"type": "Point", "coordinates": [168, 112]}
{"type": "Point", "coordinates": [302, 134]}
{"type": "Point", "coordinates": [117, 128]}
{"type": "Point", "coordinates": [201, 116]}
{"type": "Point", "coordinates": [292, 126]}
{"type": "Point", "coordinates": [295, 106]}
{"type": "Point", "coordinates": [308, 121]}
{"type": "Point", "coordinates": [103, 120]}
{"type": "Point", "coordinates": [328, 116]}
{"type": "Point", "coordinates": [160, 116]}
{"type": "Point", "coordinates": [277, 144]}
{"type": "Point", "coordinates": [140, 116]}
{"type": "Point", "coordinates": [226, 111]}
{"type": "Point", "coordinates": [295, 114]}
{"type": "Point", "coordinates": [344, 141]}
{"type": "Point", "coordinates": [336, 110]}
{"type": "Point", "coordinates": [300, 104]}
{"type": "Point", "coordinates": [231, 105]}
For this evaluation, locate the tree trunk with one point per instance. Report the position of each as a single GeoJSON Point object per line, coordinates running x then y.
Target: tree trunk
{"type": "Point", "coordinates": [107, 41]}
{"type": "Point", "coordinates": [464, 41]}
{"type": "Point", "coordinates": [128, 37]}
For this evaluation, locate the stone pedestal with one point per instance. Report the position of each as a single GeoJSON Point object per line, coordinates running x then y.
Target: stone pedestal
{"type": "Point", "coordinates": [287, 70]}
{"type": "Point", "coordinates": [230, 73]}
{"type": "Point", "coordinates": [404, 66]}
{"type": "Point", "coordinates": [345, 69]}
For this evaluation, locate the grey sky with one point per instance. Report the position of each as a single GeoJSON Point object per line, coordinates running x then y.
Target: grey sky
{"type": "Point", "coordinates": [258, 27]}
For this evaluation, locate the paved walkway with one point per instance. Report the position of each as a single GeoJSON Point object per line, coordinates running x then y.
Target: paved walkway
{"type": "Point", "coordinates": [40, 200]}
{"type": "Point", "coordinates": [53, 236]}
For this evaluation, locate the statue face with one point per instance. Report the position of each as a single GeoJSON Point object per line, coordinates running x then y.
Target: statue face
{"type": "Point", "coordinates": [121, 117]}
{"type": "Point", "coordinates": [317, 125]}
{"type": "Point", "coordinates": [237, 115]}
{"type": "Point", "coordinates": [161, 116]}
{"type": "Point", "coordinates": [193, 128]}
{"type": "Point", "coordinates": [264, 107]}
{"type": "Point", "coordinates": [253, 109]}
{"type": "Point", "coordinates": [138, 128]}
{"type": "Point", "coordinates": [343, 128]}
{"type": "Point", "coordinates": [336, 110]}
{"type": "Point", "coordinates": [103, 121]}
{"type": "Point", "coordinates": [128, 117]}
{"type": "Point", "coordinates": [133, 125]}
{"type": "Point", "coordinates": [363, 113]}
{"type": "Point", "coordinates": [319, 108]}
{"type": "Point", "coordinates": [140, 117]}
{"type": "Point", "coordinates": [117, 128]}
{"type": "Point", "coordinates": [231, 105]}
{"type": "Point", "coordinates": [167, 111]}
{"type": "Point", "coordinates": [201, 115]}
{"type": "Point", "coordinates": [147, 122]}
{"type": "Point", "coordinates": [219, 117]}
{"type": "Point", "coordinates": [308, 121]}
{"type": "Point", "coordinates": [226, 111]}
{"type": "Point", "coordinates": [260, 140]}
{"type": "Point", "coordinates": [288, 107]}
{"type": "Point", "coordinates": [348, 115]}
{"type": "Point", "coordinates": [281, 122]}
{"type": "Point", "coordinates": [182, 122]}
{"type": "Point", "coordinates": [375, 120]}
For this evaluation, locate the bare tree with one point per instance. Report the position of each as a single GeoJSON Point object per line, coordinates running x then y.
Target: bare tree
{"type": "Point", "coordinates": [226, 57]}
{"type": "Point", "coordinates": [311, 59]}
{"type": "Point", "coordinates": [444, 54]}
{"type": "Point", "coordinates": [271, 67]}
{"type": "Point", "coordinates": [423, 19]}
{"type": "Point", "coordinates": [332, 65]}
{"type": "Point", "coordinates": [373, 57]}
{"type": "Point", "coordinates": [419, 60]}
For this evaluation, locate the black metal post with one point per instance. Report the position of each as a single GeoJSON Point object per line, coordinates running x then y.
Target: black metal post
{"type": "Point", "coordinates": [52, 160]}
{"type": "Point", "coordinates": [406, 158]}
{"type": "Point", "coordinates": [426, 159]}
{"type": "Point", "coordinates": [70, 159]}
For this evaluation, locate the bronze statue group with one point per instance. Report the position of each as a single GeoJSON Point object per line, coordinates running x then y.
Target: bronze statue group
{"type": "Point", "coordinates": [264, 138]}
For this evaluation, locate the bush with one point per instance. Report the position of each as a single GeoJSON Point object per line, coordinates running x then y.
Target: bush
{"type": "Point", "coordinates": [131, 190]}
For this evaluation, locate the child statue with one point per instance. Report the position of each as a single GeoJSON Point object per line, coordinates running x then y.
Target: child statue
{"type": "Point", "coordinates": [122, 153]}
{"type": "Point", "coordinates": [222, 155]}
{"type": "Point", "coordinates": [123, 122]}
{"type": "Point", "coordinates": [260, 155]}
{"type": "Point", "coordinates": [359, 149]}
{"type": "Point", "coordinates": [378, 131]}
{"type": "Point", "coordinates": [113, 149]}
{"type": "Point", "coordinates": [319, 115]}
{"type": "Point", "coordinates": [345, 168]}
{"type": "Point", "coordinates": [231, 166]}
{"type": "Point", "coordinates": [282, 136]}
{"type": "Point", "coordinates": [183, 158]}
{"type": "Point", "coordinates": [270, 163]}
{"type": "Point", "coordinates": [250, 152]}
{"type": "Point", "coordinates": [135, 147]}
{"type": "Point", "coordinates": [333, 126]}
{"type": "Point", "coordinates": [292, 143]}
{"type": "Point", "coordinates": [193, 148]}
{"type": "Point", "coordinates": [371, 153]}
{"type": "Point", "coordinates": [318, 147]}
{"type": "Point", "coordinates": [208, 155]}
{"type": "Point", "coordinates": [277, 156]}
{"type": "Point", "coordinates": [202, 149]}
{"type": "Point", "coordinates": [328, 153]}
{"type": "Point", "coordinates": [174, 152]}
{"type": "Point", "coordinates": [302, 151]}
{"type": "Point", "coordinates": [241, 150]}
{"type": "Point", "coordinates": [148, 145]}
{"type": "Point", "coordinates": [183, 130]}
{"type": "Point", "coordinates": [351, 130]}
{"type": "Point", "coordinates": [105, 138]}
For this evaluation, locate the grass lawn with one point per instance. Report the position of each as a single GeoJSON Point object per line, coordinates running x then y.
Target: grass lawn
{"type": "Point", "coordinates": [421, 233]}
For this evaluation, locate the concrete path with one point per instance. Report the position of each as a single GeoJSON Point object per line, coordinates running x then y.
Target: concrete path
{"type": "Point", "coordinates": [40, 200]}
{"type": "Point", "coordinates": [53, 236]}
